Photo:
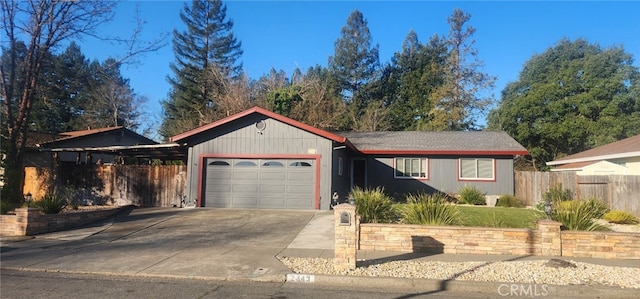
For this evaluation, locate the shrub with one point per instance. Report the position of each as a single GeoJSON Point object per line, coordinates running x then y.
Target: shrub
{"type": "Point", "coordinates": [6, 207]}
{"type": "Point", "coordinates": [557, 193]}
{"type": "Point", "coordinates": [576, 215]}
{"type": "Point", "coordinates": [51, 203]}
{"type": "Point", "coordinates": [596, 206]}
{"type": "Point", "coordinates": [472, 195]}
{"type": "Point", "coordinates": [373, 205]}
{"type": "Point", "coordinates": [510, 201]}
{"type": "Point", "coordinates": [429, 210]}
{"type": "Point", "coordinates": [621, 217]}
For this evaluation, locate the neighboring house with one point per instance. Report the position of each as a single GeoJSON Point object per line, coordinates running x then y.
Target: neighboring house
{"type": "Point", "coordinates": [260, 159]}
{"type": "Point", "coordinates": [621, 157]}
{"type": "Point", "coordinates": [75, 146]}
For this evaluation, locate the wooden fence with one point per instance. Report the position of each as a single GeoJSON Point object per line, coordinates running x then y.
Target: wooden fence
{"type": "Point", "coordinates": [140, 185]}
{"type": "Point", "coordinates": [619, 192]}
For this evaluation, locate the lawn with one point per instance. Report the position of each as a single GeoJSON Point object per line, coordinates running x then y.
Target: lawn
{"type": "Point", "coordinates": [499, 216]}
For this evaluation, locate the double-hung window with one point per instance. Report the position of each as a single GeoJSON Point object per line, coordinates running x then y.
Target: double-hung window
{"type": "Point", "coordinates": [412, 168]}
{"type": "Point", "coordinates": [477, 169]}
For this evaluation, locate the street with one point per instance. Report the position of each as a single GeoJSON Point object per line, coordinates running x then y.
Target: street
{"type": "Point", "coordinates": [29, 284]}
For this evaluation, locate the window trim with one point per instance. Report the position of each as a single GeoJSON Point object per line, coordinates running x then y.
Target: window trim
{"type": "Point", "coordinates": [477, 179]}
{"type": "Point", "coordinates": [426, 172]}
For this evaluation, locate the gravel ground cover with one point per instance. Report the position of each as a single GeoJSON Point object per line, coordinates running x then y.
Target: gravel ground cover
{"type": "Point", "coordinates": [534, 272]}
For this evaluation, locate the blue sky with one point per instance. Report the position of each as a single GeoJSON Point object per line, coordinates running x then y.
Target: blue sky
{"type": "Point", "coordinates": [289, 34]}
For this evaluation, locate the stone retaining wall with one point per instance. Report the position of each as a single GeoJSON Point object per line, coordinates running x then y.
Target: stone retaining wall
{"type": "Point", "coordinates": [546, 240]}
{"type": "Point", "coordinates": [31, 221]}
{"type": "Point", "coordinates": [607, 245]}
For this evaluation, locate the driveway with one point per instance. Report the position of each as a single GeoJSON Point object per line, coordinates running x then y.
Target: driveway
{"type": "Point", "coordinates": [228, 244]}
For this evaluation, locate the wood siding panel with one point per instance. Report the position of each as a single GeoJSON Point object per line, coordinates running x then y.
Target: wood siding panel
{"type": "Point", "coordinates": [277, 138]}
{"type": "Point", "coordinates": [443, 176]}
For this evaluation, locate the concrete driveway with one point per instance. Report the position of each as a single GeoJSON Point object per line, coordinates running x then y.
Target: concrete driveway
{"type": "Point", "coordinates": [228, 244]}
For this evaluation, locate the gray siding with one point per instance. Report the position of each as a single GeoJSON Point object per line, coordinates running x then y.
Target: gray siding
{"type": "Point", "coordinates": [241, 137]}
{"type": "Point", "coordinates": [443, 176]}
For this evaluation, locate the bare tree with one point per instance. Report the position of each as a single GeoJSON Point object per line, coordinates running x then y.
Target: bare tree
{"type": "Point", "coordinates": [45, 24]}
{"type": "Point", "coordinates": [319, 107]}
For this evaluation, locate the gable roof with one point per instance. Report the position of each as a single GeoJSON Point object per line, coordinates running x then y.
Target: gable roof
{"type": "Point", "coordinates": [434, 143]}
{"type": "Point", "coordinates": [266, 113]}
{"type": "Point", "coordinates": [398, 142]}
{"type": "Point", "coordinates": [625, 148]}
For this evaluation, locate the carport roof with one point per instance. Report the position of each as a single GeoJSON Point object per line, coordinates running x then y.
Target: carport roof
{"type": "Point", "coordinates": [166, 151]}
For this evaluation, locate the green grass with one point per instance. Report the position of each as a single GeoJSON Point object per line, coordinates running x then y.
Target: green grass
{"type": "Point", "coordinates": [499, 217]}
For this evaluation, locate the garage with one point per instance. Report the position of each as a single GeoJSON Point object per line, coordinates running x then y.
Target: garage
{"type": "Point", "coordinates": [263, 183]}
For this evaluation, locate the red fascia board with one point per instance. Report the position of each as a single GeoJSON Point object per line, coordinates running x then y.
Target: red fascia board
{"type": "Point", "coordinates": [267, 113]}
{"type": "Point", "coordinates": [445, 152]}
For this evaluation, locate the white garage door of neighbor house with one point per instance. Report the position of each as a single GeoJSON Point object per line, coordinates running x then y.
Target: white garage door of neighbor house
{"type": "Point", "coordinates": [260, 183]}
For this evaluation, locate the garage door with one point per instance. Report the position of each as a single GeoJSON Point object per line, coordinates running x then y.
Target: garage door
{"type": "Point", "coordinates": [260, 183]}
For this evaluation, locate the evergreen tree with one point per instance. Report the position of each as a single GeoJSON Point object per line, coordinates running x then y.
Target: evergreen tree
{"type": "Point", "coordinates": [458, 102]}
{"type": "Point", "coordinates": [110, 102]}
{"type": "Point", "coordinates": [410, 80]}
{"type": "Point", "coordinates": [573, 97]}
{"type": "Point", "coordinates": [64, 88]}
{"type": "Point", "coordinates": [355, 64]}
{"type": "Point", "coordinates": [207, 56]}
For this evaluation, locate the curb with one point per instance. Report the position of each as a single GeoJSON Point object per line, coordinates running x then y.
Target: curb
{"type": "Point", "coordinates": [497, 289]}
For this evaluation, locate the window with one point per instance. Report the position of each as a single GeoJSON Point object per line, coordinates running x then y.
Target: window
{"type": "Point", "coordinates": [340, 166]}
{"type": "Point", "coordinates": [412, 168]}
{"type": "Point", "coordinates": [300, 164]}
{"type": "Point", "coordinates": [245, 164]}
{"type": "Point", "coordinates": [219, 163]}
{"type": "Point", "coordinates": [476, 169]}
{"type": "Point", "coordinates": [272, 164]}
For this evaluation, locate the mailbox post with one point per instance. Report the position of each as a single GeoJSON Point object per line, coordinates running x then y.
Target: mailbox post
{"type": "Point", "coordinates": [346, 237]}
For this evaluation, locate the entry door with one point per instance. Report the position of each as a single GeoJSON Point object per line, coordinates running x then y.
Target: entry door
{"type": "Point", "coordinates": [358, 173]}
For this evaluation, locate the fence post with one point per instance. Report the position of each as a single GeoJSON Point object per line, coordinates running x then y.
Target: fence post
{"type": "Point", "coordinates": [550, 237]}
{"type": "Point", "coordinates": [346, 237]}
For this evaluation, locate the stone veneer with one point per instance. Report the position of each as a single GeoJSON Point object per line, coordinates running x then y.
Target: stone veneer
{"type": "Point", "coordinates": [546, 240]}
{"type": "Point", "coordinates": [31, 221]}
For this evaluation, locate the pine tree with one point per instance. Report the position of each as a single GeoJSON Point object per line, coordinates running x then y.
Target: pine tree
{"type": "Point", "coordinates": [207, 56]}
{"type": "Point", "coordinates": [355, 64]}
{"type": "Point", "coordinates": [410, 80]}
{"type": "Point", "coordinates": [458, 102]}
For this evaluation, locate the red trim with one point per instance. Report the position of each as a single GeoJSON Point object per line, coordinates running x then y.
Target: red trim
{"type": "Point", "coordinates": [445, 152]}
{"type": "Point", "coordinates": [495, 170]}
{"type": "Point", "coordinates": [259, 156]}
{"type": "Point", "coordinates": [266, 113]}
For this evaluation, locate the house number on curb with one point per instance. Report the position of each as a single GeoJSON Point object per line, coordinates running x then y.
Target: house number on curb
{"type": "Point", "coordinates": [305, 278]}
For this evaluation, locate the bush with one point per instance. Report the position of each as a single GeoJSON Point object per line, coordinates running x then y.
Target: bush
{"type": "Point", "coordinates": [6, 207]}
{"type": "Point", "coordinates": [576, 215]}
{"type": "Point", "coordinates": [557, 193]}
{"type": "Point", "coordinates": [509, 201]}
{"type": "Point", "coordinates": [429, 210]}
{"type": "Point", "coordinates": [621, 217]}
{"type": "Point", "coordinates": [472, 195]}
{"type": "Point", "coordinates": [373, 205]}
{"type": "Point", "coordinates": [596, 206]}
{"type": "Point", "coordinates": [51, 203]}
